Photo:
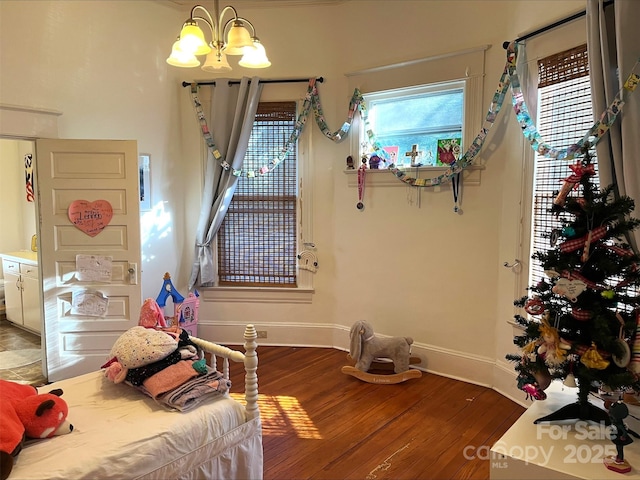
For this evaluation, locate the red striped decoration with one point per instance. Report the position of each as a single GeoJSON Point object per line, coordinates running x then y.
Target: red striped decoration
{"type": "Point", "coordinates": [572, 245]}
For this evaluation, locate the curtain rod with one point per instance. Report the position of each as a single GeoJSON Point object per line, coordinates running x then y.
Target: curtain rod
{"type": "Point", "coordinates": [575, 16]}
{"type": "Point", "coordinates": [236, 82]}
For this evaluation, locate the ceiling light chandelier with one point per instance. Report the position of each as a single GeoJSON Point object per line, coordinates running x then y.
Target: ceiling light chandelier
{"type": "Point", "coordinates": [230, 38]}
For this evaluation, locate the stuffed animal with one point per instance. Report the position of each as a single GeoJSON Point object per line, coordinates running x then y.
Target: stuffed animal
{"type": "Point", "coordinates": [365, 347]}
{"type": "Point", "coordinates": [151, 315]}
{"type": "Point", "coordinates": [26, 414]}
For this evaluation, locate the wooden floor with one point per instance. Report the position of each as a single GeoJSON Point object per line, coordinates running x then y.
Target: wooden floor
{"type": "Point", "coordinates": [321, 424]}
{"type": "Point", "coordinates": [15, 338]}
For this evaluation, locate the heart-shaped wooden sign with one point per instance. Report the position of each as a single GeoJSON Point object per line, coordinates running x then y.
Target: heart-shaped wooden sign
{"type": "Point", "coordinates": [90, 217]}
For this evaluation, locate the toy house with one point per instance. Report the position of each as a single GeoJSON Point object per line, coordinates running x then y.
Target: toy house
{"type": "Point", "coordinates": [185, 310]}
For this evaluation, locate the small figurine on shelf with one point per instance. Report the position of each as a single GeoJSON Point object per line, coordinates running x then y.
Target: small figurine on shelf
{"type": "Point", "coordinates": [374, 162]}
{"type": "Point", "coordinates": [620, 436]}
{"type": "Point", "coordinates": [350, 163]}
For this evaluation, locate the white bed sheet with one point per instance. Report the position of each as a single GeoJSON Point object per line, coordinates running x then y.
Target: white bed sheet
{"type": "Point", "coordinates": [119, 433]}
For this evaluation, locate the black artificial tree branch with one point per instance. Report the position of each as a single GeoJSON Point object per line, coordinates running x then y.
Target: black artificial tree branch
{"type": "Point", "coordinates": [589, 296]}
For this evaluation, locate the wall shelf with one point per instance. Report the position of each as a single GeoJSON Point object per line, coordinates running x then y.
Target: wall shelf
{"type": "Point", "coordinates": [384, 178]}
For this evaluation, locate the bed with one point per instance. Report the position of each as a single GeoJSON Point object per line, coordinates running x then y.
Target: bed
{"type": "Point", "coordinates": [120, 433]}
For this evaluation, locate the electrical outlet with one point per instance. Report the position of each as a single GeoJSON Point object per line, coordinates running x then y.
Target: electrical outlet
{"type": "Point", "coordinates": [262, 334]}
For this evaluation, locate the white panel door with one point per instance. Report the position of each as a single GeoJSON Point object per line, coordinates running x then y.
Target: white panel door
{"type": "Point", "coordinates": [78, 340]}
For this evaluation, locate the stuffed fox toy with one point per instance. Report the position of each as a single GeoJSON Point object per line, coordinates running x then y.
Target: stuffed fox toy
{"type": "Point", "coordinates": [26, 414]}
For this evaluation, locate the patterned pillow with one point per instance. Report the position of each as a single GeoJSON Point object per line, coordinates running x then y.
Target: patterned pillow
{"type": "Point", "coordinates": [141, 346]}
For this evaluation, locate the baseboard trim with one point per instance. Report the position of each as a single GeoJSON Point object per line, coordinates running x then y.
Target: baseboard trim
{"type": "Point", "coordinates": [454, 364]}
{"type": "Point", "coordinates": [506, 384]}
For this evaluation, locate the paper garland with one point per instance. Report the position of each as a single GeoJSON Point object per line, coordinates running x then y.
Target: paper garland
{"type": "Point", "coordinates": [529, 130]}
{"type": "Point", "coordinates": [312, 99]}
{"type": "Point", "coordinates": [593, 136]}
{"type": "Point", "coordinates": [508, 79]}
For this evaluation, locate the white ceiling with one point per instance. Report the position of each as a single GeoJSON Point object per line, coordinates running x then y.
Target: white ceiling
{"type": "Point", "coordinates": [238, 4]}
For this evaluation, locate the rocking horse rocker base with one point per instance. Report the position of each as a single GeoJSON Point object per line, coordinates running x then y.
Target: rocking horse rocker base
{"type": "Point", "coordinates": [383, 378]}
{"type": "Point", "coordinates": [373, 354]}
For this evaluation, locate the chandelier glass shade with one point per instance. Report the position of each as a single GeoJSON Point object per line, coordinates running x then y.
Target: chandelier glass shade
{"type": "Point", "coordinates": [236, 36]}
{"type": "Point", "coordinates": [255, 57]}
{"type": "Point", "coordinates": [178, 58]}
{"type": "Point", "coordinates": [216, 63]}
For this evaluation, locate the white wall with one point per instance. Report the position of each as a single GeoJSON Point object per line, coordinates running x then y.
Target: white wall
{"type": "Point", "coordinates": [10, 208]}
{"type": "Point", "coordinates": [17, 215]}
{"type": "Point", "coordinates": [419, 271]}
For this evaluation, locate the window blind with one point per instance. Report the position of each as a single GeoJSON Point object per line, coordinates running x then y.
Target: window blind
{"type": "Point", "coordinates": [563, 66]}
{"type": "Point", "coordinates": [565, 114]}
{"type": "Point", "coordinates": [257, 239]}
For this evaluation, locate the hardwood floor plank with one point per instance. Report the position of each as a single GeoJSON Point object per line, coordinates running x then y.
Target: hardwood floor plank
{"type": "Point", "coordinates": [321, 424]}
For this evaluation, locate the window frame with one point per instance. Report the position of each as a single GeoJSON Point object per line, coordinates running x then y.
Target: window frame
{"type": "Point", "coordinates": [547, 166]}
{"type": "Point", "coordinates": [528, 73]}
{"type": "Point", "coordinates": [473, 116]}
{"type": "Point", "coordinates": [370, 99]}
{"type": "Point", "coordinates": [257, 238]}
{"type": "Point", "coordinates": [303, 292]}
{"type": "Point", "coordinates": [466, 65]}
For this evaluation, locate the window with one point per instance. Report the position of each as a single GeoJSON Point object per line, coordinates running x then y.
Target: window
{"type": "Point", "coordinates": [565, 114]}
{"type": "Point", "coordinates": [257, 240]}
{"type": "Point", "coordinates": [421, 101]}
{"type": "Point", "coordinates": [429, 116]}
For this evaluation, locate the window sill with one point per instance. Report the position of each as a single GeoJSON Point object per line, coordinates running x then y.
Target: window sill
{"type": "Point", "coordinates": [384, 178]}
{"type": "Point", "coordinates": [256, 295]}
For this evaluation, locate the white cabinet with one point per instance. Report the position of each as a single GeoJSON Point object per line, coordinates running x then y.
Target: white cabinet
{"type": "Point", "coordinates": [12, 291]}
{"type": "Point", "coordinates": [22, 294]}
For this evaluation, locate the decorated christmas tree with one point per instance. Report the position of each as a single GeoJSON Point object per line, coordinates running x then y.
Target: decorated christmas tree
{"type": "Point", "coordinates": [583, 325]}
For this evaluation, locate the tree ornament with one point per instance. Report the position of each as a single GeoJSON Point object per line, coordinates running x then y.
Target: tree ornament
{"type": "Point", "coordinates": [569, 288]}
{"type": "Point", "coordinates": [622, 358]}
{"type": "Point", "coordinates": [592, 359]}
{"type": "Point", "coordinates": [581, 314]}
{"type": "Point", "coordinates": [587, 246]}
{"type": "Point", "coordinates": [528, 384]}
{"type": "Point", "coordinates": [568, 231]}
{"type": "Point", "coordinates": [551, 273]}
{"type": "Point", "coordinates": [552, 349]}
{"type": "Point", "coordinates": [608, 294]}
{"type": "Point", "coordinates": [534, 306]}
{"type": "Point", "coordinates": [543, 378]}
{"type": "Point", "coordinates": [542, 286]}
{"type": "Point", "coordinates": [573, 180]}
{"type": "Point", "coordinates": [570, 379]}
{"type": "Point", "coordinates": [583, 242]}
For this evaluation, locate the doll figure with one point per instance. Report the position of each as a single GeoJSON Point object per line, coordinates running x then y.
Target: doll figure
{"type": "Point", "coordinates": [552, 349]}
{"type": "Point", "coordinates": [620, 436]}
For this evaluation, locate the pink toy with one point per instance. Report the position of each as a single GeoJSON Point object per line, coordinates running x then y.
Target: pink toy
{"type": "Point", "coordinates": [151, 315]}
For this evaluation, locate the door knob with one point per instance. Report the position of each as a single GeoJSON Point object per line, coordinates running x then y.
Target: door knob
{"type": "Point", "coordinates": [133, 273]}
